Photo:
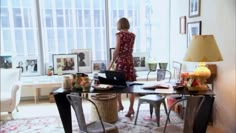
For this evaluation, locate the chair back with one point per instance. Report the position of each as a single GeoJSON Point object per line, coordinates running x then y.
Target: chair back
{"type": "Point", "coordinates": [177, 66]}
{"type": "Point", "coordinates": [161, 74]}
{"type": "Point", "coordinates": [76, 102]}
{"type": "Point", "coordinates": [9, 77]}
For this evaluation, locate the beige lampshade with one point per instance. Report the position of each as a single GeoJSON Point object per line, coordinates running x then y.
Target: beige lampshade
{"type": "Point", "coordinates": [203, 48]}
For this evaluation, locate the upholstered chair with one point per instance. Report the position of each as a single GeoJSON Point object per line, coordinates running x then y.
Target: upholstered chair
{"type": "Point", "coordinates": [10, 90]}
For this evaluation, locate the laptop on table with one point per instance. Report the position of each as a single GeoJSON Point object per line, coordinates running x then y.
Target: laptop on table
{"type": "Point", "coordinates": [117, 79]}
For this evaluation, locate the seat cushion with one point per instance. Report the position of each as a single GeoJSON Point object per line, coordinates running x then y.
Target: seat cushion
{"type": "Point", "coordinates": [153, 97]}
{"type": "Point", "coordinates": [96, 127]}
{"type": "Point", "coordinates": [6, 101]}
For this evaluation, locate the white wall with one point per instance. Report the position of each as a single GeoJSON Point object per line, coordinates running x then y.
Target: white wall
{"type": "Point", "coordinates": [218, 18]}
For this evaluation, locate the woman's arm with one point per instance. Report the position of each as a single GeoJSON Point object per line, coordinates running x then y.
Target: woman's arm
{"type": "Point", "coordinates": [116, 51]}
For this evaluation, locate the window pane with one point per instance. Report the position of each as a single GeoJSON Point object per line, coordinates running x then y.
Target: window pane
{"type": "Point", "coordinates": [87, 18]}
{"type": "Point", "coordinates": [27, 17]}
{"type": "Point", "coordinates": [17, 17]}
{"type": "Point", "coordinates": [48, 18]}
{"type": "Point", "coordinates": [80, 37]}
{"type": "Point", "coordinates": [6, 41]}
{"type": "Point", "coordinates": [4, 17]}
{"type": "Point", "coordinates": [4, 3]}
{"type": "Point", "coordinates": [80, 19]}
{"type": "Point", "coordinates": [70, 38]}
{"type": "Point", "coordinates": [30, 41]}
{"type": "Point", "coordinates": [60, 18]}
{"type": "Point", "coordinates": [19, 42]}
{"type": "Point", "coordinates": [152, 33]}
{"type": "Point", "coordinates": [61, 41]}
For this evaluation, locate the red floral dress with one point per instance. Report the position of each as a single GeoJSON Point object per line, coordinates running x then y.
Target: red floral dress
{"type": "Point", "coordinates": [125, 58]}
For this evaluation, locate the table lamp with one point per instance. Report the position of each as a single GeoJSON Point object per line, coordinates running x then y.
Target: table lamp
{"type": "Point", "coordinates": [202, 48]}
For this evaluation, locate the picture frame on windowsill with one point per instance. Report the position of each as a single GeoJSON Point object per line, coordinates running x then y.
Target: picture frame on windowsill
{"type": "Point", "coordinates": [140, 61]}
{"type": "Point", "coordinates": [99, 66]}
{"type": "Point", "coordinates": [30, 66]}
{"type": "Point", "coordinates": [84, 60]}
{"type": "Point", "coordinates": [65, 64]}
{"type": "Point", "coordinates": [6, 61]}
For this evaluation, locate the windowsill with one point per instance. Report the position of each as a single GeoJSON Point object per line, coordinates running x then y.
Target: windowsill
{"type": "Point", "coordinates": [141, 76]}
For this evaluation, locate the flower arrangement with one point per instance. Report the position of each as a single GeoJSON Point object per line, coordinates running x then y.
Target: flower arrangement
{"type": "Point", "coordinates": [81, 82]}
{"type": "Point", "coordinates": [192, 81]}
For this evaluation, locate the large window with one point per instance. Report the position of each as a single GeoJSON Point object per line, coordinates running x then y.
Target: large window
{"type": "Point", "coordinates": [41, 28]}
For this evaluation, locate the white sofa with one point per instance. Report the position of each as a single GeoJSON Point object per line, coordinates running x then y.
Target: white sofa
{"type": "Point", "coordinates": [10, 90]}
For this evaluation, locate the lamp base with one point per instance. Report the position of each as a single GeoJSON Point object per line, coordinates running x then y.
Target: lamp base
{"type": "Point", "coordinates": [198, 88]}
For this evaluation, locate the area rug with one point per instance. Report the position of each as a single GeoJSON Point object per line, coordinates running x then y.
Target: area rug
{"type": "Point", "coordinates": [52, 124]}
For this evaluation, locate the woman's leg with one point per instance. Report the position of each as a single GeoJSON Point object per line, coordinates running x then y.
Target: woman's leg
{"type": "Point", "coordinates": [120, 106]}
{"type": "Point", "coordinates": [131, 106]}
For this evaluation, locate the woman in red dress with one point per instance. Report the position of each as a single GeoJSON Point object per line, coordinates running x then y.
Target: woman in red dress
{"type": "Point", "coordinates": [124, 59]}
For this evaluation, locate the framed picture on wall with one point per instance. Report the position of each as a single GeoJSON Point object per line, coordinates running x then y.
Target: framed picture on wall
{"type": "Point", "coordinates": [193, 28]}
{"type": "Point", "coordinates": [65, 63]}
{"type": "Point", "coordinates": [194, 8]}
{"type": "Point", "coordinates": [84, 60]}
{"type": "Point", "coordinates": [182, 25]}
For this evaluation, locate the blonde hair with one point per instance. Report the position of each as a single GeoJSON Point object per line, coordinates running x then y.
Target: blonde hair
{"type": "Point", "coordinates": [123, 24]}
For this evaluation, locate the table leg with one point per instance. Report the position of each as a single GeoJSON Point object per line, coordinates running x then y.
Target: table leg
{"type": "Point", "coordinates": [64, 109]}
{"type": "Point", "coordinates": [36, 95]}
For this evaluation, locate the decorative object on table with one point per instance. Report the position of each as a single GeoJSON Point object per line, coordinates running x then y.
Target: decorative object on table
{"type": "Point", "coordinates": [80, 82]}
{"type": "Point", "coordinates": [182, 25]}
{"type": "Point", "coordinates": [140, 61]}
{"type": "Point", "coordinates": [84, 60]}
{"type": "Point", "coordinates": [64, 63]}
{"type": "Point", "coordinates": [99, 66]}
{"type": "Point", "coordinates": [67, 83]}
{"type": "Point", "coordinates": [5, 61]}
{"type": "Point", "coordinates": [194, 8]}
{"type": "Point", "coordinates": [193, 28]}
{"type": "Point", "coordinates": [30, 66]}
{"type": "Point", "coordinates": [203, 48]}
{"type": "Point", "coordinates": [50, 71]}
